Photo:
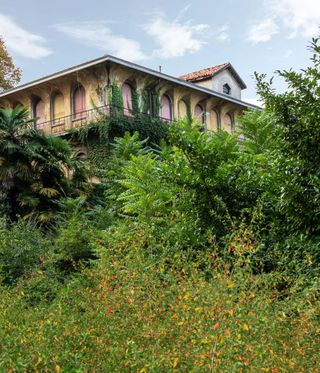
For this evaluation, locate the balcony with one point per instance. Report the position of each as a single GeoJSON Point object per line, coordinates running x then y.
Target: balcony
{"type": "Point", "coordinates": [73, 121]}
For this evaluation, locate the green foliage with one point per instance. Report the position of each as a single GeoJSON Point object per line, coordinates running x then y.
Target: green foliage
{"type": "Point", "coordinates": [33, 168]}
{"type": "Point", "coordinates": [74, 242]}
{"type": "Point", "coordinates": [21, 249]}
{"type": "Point", "coordinates": [296, 118]}
{"type": "Point", "coordinates": [9, 74]}
{"type": "Point", "coordinates": [122, 149]}
{"type": "Point", "coordinates": [153, 129]}
{"type": "Point", "coordinates": [201, 250]}
{"type": "Point", "coordinates": [256, 130]}
{"type": "Point", "coordinates": [116, 99]}
{"type": "Point", "coordinates": [131, 312]}
{"type": "Point", "coordinates": [142, 195]}
{"type": "Point", "coordinates": [189, 112]}
{"type": "Point", "coordinates": [135, 102]}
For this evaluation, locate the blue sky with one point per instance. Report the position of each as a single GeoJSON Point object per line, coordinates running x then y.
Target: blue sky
{"type": "Point", "coordinates": [181, 36]}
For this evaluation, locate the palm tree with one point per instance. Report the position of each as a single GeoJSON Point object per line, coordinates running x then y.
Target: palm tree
{"type": "Point", "coordinates": [33, 167]}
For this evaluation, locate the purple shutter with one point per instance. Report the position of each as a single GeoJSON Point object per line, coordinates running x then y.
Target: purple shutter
{"type": "Point", "coordinates": [166, 112]}
{"type": "Point", "coordinates": [40, 113]}
{"type": "Point", "coordinates": [199, 113]}
{"type": "Point", "coordinates": [127, 99]}
{"type": "Point", "coordinates": [79, 100]}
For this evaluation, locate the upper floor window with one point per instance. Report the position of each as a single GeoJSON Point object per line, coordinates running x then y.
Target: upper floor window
{"type": "Point", "coordinates": [226, 89]}
{"type": "Point", "coordinates": [183, 109]}
{"type": "Point", "coordinates": [214, 121]}
{"type": "Point", "coordinates": [127, 98]}
{"type": "Point", "coordinates": [166, 108]}
{"type": "Point", "coordinates": [79, 102]}
{"type": "Point", "coordinates": [39, 112]}
{"type": "Point", "coordinates": [57, 108]}
{"type": "Point", "coordinates": [227, 123]}
{"type": "Point", "coordinates": [199, 113]}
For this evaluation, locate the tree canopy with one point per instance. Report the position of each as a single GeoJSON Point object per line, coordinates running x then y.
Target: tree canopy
{"type": "Point", "coordinates": [9, 74]}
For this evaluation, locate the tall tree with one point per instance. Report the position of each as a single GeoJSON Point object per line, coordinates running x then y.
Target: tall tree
{"type": "Point", "coordinates": [33, 169]}
{"type": "Point", "coordinates": [296, 128]}
{"type": "Point", "coordinates": [9, 74]}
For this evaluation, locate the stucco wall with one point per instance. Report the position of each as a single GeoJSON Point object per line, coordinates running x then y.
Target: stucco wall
{"type": "Point", "coordinates": [96, 80]}
{"type": "Point", "coordinates": [217, 82]}
{"type": "Point", "coordinates": [225, 77]}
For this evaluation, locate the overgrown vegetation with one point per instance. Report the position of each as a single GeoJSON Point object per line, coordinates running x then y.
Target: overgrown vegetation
{"type": "Point", "coordinates": [34, 168]}
{"type": "Point", "coordinates": [197, 251]}
{"type": "Point", "coordinates": [143, 118]}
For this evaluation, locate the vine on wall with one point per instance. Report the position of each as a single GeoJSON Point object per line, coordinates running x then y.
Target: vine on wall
{"type": "Point", "coordinates": [189, 111]}
{"type": "Point", "coordinates": [145, 120]}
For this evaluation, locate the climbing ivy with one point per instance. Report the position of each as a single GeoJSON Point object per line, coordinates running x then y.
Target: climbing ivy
{"type": "Point", "coordinates": [155, 104]}
{"type": "Point", "coordinates": [144, 119]}
{"type": "Point", "coordinates": [189, 112]}
{"type": "Point", "coordinates": [135, 102]}
{"type": "Point", "coordinates": [115, 98]}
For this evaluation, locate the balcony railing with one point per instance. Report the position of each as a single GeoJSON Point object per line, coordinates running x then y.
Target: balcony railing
{"type": "Point", "coordinates": [80, 119]}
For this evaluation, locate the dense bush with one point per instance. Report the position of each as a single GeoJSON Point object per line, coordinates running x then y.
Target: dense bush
{"type": "Point", "coordinates": [22, 248]}
{"type": "Point", "coordinates": [131, 312]}
{"type": "Point", "coordinates": [296, 118]}
{"type": "Point", "coordinates": [73, 244]}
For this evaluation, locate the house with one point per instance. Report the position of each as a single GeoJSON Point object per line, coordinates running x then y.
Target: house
{"type": "Point", "coordinates": [73, 97]}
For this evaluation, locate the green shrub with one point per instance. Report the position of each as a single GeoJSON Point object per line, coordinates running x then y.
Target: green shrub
{"type": "Point", "coordinates": [22, 247]}
{"type": "Point", "coordinates": [73, 244]}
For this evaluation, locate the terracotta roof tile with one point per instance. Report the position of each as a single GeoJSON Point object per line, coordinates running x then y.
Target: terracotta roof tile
{"type": "Point", "coordinates": [204, 73]}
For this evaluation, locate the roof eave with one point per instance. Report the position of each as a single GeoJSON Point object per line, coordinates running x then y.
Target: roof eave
{"type": "Point", "coordinates": [132, 66]}
{"type": "Point", "coordinates": [234, 73]}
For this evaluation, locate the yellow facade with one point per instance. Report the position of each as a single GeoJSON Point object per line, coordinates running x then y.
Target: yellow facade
{"type": "Point", "coordinates": [56, 95]}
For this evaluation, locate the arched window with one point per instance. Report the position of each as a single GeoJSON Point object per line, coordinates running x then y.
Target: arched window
{"type": "Point", "coordinates": [227, 124]}
{"type": "Point", "coordinates": [166, 108]}
{"type": "Point", "coordinates": [79, 102]}
{"type": "Point", "coordinates": [226, 89]}
{"type": "Point", "coordinates": [199, 113]}
{"type": "Point", "coordinates": [182, 109]}
{"type": "Point", "coordinates": [57, 108]}
{"type": "Point", "coordinates": [127, 99]}
{"type": "Point", "coordinates": [214, 121]}
{"type": "Point", "coordinates": [39, 112]}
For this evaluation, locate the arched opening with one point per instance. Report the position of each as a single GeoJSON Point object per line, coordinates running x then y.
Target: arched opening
{"type": "Point", "coordinates": [183, 110]}
{"type": "Point", "coordinates": [166, 108]}
{"type": "Point", "coordinates": [79, 102]}
{"type": "Point", "coordinates": [127, 98]}
{"type": "Point", "coordinates": [227, 124]}
{"type": "Point", "coordinates": [39, 112]}
{"type": "Point", "coordinates": [199, 113]}
{"type": "Point", "coordinates": [214, 121]}
{"type": "Point", "coordinates": [57, 107]}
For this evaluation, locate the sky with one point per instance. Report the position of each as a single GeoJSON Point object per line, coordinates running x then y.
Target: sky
{"type": "Point", "coordinates": [180, 36]}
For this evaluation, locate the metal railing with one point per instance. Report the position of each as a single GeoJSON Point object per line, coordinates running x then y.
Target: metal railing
{"type": "Point", "coordinates": [80, 119]}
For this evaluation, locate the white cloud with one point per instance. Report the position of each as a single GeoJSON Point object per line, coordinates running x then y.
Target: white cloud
{"type": "Point", "coordinates": [222, 33]}
{"type": "Point", "coordinates": [22, 42]}
{"type": "Point", "coordinates": [302, 17]}
{"type": "Point", "coordinates": [298, 17]}
{"type": "Point", "coordinates": [262, 31]}
{"type": "Point", "coordinates": [99, 35]}
{"type": "Point", "coordinates": [176, 38]}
